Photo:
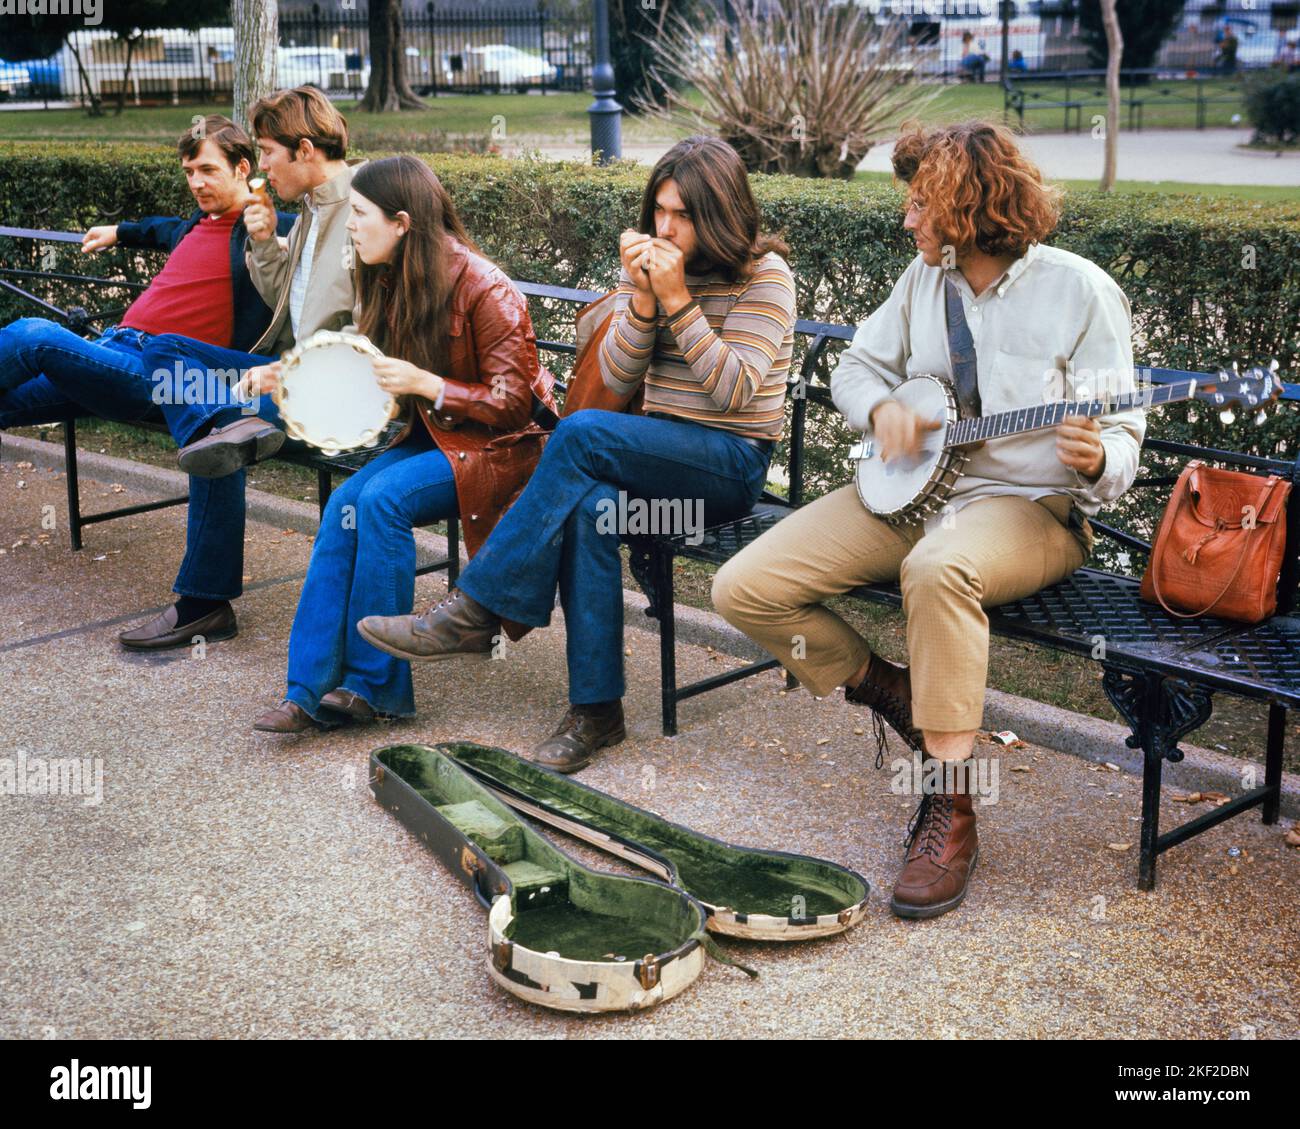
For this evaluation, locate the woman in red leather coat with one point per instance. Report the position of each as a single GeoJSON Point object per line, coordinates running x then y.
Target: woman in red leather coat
{"type": "Point", "coordinates": [462, 357]}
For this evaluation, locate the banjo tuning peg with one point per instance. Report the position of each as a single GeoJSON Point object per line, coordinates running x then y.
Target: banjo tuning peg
{"type": "Point", "coordinates": [1227, 416]}
{"type": "Point", "coordinates": [1260, 417]}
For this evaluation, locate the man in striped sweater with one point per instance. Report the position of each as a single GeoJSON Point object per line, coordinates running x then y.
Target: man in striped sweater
{"type": "Point", "coordinates": [704, 324]}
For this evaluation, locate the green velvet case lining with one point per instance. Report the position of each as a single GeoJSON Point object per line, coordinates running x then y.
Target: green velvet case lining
{"type": "Point", "coordinates": [742, 879]}
{"type": "Point", "coordinates": [587, 915]}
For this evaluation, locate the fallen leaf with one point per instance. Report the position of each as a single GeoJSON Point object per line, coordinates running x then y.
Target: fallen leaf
{"type": "Point", "coordinates": [1119, 846]}
{"type": "Point", "coordinates": [1218, 799]}
{"type": "Point", "coordinates": [1020, 768]}
{"type": "Point", "coordinates": [1112, 767]}
{"type": "Point", "coordinates": [1293, 836]}
{"type": "Point", "coordinates": [1189, 798]}
{"type": "Point", "coordinates": [823, 741]}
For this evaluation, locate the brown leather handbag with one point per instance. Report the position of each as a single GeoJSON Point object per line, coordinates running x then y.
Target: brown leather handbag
{"type": "Point", "coordinates": [1220, 545]}
{"type": "Point", "coordinates": [587, 388]}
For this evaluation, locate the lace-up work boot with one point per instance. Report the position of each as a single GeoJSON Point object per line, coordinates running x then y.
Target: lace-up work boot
{"type": "Point", "coordinates": [942, 847]}
{"type": "Point", "coordinates": [584, 731]}
{"type": "Point", "coordinates": [887, 690]}
{"type": "Point", "coordinates": [455, 625]}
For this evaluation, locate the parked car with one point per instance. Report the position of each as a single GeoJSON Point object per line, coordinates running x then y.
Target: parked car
{"type": "Point", "coordinates": [496, 64]}
{"type": "Point", "coordinates": [15, 81]}
{"type": "Point", "coordinates": [326, 67]}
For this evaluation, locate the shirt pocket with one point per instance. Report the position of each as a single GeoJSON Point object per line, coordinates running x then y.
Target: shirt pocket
{"type": "Point", "coordinates": [1019, 380]}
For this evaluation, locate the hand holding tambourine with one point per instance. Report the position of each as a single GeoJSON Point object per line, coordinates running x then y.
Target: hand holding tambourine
{"type": "Point", "coordinates": [336, 391]}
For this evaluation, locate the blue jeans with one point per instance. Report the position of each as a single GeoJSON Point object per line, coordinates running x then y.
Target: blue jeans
{"type": "Point", "coordinates": [46, 369]}
{"type": "Point", "coordinates": [363, 563]}
{"type": "Point", "coordinates": [564, 529]}
{"type": "Point", "coordinates": [213, 567]}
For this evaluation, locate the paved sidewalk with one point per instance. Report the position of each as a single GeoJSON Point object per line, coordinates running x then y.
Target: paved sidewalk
{"type": "Point", "coordinates": [1198, 156]}
{"type": "Point", "coordinates": [241, 885]}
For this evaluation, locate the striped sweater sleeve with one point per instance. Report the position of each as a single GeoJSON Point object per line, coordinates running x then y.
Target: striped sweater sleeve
{"type": "Point", "coordinates": [730, 366]}
{"type": "Point", "coordinates": [626, 350]}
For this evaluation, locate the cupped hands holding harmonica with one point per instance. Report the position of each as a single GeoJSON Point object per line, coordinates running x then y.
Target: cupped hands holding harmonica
{"type": "Point", "coordinates": [657, 269]}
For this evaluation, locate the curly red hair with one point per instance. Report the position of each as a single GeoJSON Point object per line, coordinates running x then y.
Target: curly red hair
{"type": "Point", "coordinates": [978, 189]}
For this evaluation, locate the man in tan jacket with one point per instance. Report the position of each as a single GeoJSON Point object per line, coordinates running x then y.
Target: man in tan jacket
{"type": "Point", "coordinates": [308, 281]}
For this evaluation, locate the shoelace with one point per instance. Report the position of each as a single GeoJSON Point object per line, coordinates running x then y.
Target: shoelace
{"type": "Point", "coordinates": [450, 598]}
{"type": "Point", "coordinates": [931, 823]}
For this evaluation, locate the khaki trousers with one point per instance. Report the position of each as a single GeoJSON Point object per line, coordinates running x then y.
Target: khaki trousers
{"type": "Point", "coordinates": [990, 552]}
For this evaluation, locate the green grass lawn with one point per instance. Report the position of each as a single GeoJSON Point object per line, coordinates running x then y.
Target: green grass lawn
{"type": "Point", "coordinates": [554, 117]}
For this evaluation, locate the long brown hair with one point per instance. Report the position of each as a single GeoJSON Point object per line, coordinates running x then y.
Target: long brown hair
{"type": "Point", "coordinates": [714, 186]}
{"type": "Point", "coordinates": [406, 303]}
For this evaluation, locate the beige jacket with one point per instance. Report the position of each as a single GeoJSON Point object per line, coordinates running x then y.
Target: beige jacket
{"type": "Point", "coordinates": [331, 295]}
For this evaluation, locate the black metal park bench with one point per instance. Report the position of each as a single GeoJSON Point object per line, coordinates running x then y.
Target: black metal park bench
{"type": "Point", "coordinates": [1160, 672]}
{"type": "Point", "coordinates": [1072, 92]}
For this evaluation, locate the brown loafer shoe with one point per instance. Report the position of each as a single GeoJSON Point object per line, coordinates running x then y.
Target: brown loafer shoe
{"type": "Point", "coordinates": [163, 631]}
{"type": "Point", "coordinates": [454, 626]}
{"type": "Point", "coordinates": [225, 449]}
{"type": "Point", "coordinates": [942, 850]}
{"type": "Point", "coordinates": [346, 702]}
{"type": "Point", "coordinates": [287, 717]}
{"type": "Point", "coordinates": [584, 730]}
{"type": "Point", "coordinates": [887, 691]}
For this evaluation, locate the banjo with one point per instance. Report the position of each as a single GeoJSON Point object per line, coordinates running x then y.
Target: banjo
{"type": "Point", "coordinates": [912, 488]}
{"type": "Point", "coordinates": [328, 395]}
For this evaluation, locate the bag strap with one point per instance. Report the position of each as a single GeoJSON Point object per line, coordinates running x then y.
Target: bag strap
{"type": "Point", "coordinates": [1245, 548]}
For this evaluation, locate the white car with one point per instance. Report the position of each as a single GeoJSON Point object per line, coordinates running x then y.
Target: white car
{"type": "Point", "coordinates": [326, 67]}
{"type": "Point", "coordinates": [510, 65]}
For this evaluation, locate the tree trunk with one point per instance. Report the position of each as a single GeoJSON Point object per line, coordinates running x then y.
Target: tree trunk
{"type": "Point", "coordinates": [1115, 52]}
{"type": "Point", "coordinates": [257, 37]}
{"type": "Point", "coordinates": [389, 88]}
{"type": "Point", "coordinates": [93, 107]}
{"type": "Point", "coordinates": [126, 78]}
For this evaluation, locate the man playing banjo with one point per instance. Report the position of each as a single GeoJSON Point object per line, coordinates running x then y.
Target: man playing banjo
{"type": "Point", "coordinates": [1012, 324]}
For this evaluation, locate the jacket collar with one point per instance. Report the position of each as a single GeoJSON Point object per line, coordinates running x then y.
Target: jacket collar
{"type": "Point", "coordinates": [336, 188]}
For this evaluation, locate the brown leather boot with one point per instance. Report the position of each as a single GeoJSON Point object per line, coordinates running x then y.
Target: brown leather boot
{"type": "Point", "coordinates": [887, 690]}
{"type": "Point", "coordinates": [941, 851]}
{"type": "Point", "coordinates": [454, 626]}
{"type": "Point", "coordinates": [584, 730]}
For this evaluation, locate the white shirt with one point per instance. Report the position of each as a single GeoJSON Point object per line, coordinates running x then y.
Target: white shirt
{"type": "Point", "coordinates": [302, 272]}
{"type": "Point", "coordinates": [1054, 327]}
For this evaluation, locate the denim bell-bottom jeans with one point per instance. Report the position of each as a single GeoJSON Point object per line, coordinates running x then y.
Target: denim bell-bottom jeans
{"type": "Point", "coordinates": [363, 563]}
{"type": "Point", "coordinates": [595, 483]}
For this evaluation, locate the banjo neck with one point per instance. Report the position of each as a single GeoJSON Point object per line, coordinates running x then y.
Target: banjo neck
{"type": "Point", "coordinates": [1051, 414]}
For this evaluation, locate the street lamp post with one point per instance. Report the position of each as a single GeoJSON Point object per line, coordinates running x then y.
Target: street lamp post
{"type": "Point", "coordinates": [606, 113]}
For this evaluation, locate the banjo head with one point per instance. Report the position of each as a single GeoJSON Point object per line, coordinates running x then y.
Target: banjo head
{"type": "Point", "coordinates": [328, 395]}
{"type": "Point", "coordinates": [898, 490]}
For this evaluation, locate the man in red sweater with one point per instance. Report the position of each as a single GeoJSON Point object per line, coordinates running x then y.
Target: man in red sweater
{"type": "Point", "coordinates": [204, 291]}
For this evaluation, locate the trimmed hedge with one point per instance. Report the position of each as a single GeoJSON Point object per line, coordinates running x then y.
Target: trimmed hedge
{"type": "Point", "coordinates": [1211, 280]}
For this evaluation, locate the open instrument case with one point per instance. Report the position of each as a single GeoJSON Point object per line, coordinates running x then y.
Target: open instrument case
{"type": "Point", "coordinates": [568, 937]}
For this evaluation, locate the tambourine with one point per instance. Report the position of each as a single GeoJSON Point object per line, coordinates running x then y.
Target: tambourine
{"type": "Point", "coordinates": [328, 395]}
